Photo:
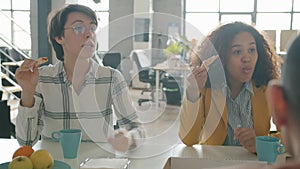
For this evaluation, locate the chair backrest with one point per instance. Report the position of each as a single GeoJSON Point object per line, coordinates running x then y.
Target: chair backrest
{"type": "Point", "coordinates": [143, 65]}
{"type": "Point", "coordinates": [141, 59]}
{"type": "Point", "coordinates": [112, 59]}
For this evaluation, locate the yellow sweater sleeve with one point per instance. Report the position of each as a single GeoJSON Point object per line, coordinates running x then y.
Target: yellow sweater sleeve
{"type": "Point", "coordinates": [190, 124]}
{"type": "Point", "coordinates": [202, 123]}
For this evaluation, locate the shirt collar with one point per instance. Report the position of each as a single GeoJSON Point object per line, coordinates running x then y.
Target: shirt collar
{"type": "Point", "coordinates": [61, 70]}
{"type": "Point", "coordinates": [246, 86]}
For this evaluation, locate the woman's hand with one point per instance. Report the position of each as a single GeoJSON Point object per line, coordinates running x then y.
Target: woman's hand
{"type": "Point", "coordinates": [121, 141]}
{"type": "Point", "coordinates": [246, 137]}
{"type": "Point", "coordinates": [196, 81]}
{"type": "Point", "coordinates": [27, 77]}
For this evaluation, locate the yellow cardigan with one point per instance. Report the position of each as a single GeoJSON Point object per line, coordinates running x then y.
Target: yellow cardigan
{"type": "Point", "coordinates": [194, 115]}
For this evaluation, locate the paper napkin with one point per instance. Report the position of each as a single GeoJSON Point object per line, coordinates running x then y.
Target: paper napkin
{"type": "Point", "coordinates": [105, 163]}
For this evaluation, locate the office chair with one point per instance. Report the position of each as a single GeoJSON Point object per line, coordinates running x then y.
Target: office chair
{"type": "Point", "coordinates": [112, 59]}
{"type": "Point", "coordinates": [145, 72]}
{"type": "Point", "coordinates": [172, 88]}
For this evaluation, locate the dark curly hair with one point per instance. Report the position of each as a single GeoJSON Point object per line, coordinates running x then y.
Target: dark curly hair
{"type": "Point", "coordinates": [57, 21]}
{"type": "Point", "coordinates": [219, 42]}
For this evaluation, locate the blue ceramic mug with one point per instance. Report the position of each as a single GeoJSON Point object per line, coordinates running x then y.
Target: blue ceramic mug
{"type": "Point", "coordinates": [70, 140]}
{"type": "Point", "coordinates": [267, 148]}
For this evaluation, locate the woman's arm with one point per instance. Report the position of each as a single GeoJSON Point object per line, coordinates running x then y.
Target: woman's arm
{"type": "Point", "coordinates": [29, 124]}
{"type": "Point", "coordinates": [191, 121]}
{"type": "Point", "coordinates": [130, 126]}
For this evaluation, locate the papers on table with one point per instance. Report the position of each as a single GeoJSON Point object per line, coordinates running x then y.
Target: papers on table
{"type": "Point", "coordinates": [105, 163]}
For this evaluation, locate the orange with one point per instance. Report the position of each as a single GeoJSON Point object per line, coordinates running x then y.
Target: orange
{"type": "Point", "coordinates": [23, 151]}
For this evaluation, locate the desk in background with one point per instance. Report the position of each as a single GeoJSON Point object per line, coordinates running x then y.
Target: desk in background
{"type": "Point", "coordinates": [180, 67]}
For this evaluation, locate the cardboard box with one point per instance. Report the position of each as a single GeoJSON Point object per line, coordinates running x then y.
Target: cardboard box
{"type": "Point", "coordinates": [198, 163]}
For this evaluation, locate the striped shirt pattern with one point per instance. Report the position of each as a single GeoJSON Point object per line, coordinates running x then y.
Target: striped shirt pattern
{"type": "Point", "coordinates": [239, 112]}
{"type": "Point", "coordinates": [58, 106]}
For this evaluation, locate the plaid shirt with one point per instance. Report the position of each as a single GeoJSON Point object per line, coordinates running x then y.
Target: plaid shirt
{"type": "Point", "coordinates": [103, 97]}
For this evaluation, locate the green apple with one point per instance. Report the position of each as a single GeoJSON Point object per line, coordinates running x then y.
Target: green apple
{"type": "Point", "coordinates": [42, 159]}
{"type": "Point", "coordinates": [20, 162]}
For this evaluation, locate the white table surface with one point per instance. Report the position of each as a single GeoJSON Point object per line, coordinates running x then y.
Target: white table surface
{"type": "Point", "coordinates": [141, 158]}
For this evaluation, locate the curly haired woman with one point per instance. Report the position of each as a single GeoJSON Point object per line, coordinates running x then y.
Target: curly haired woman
{"type": "Point", "coordinates": [235, 111]}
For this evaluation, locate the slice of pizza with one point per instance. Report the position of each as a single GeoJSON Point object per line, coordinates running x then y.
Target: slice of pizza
{"type": "Point", "coordinates": [42, 60]}
{"type": "Point", "coordinates": [209, 61]}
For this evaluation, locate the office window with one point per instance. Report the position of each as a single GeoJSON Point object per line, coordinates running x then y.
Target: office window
{"type": "Point", "coordinates": [274, 5]}
{"type": "Point", "coordinates": [5, 4]}
{"type": "Point", "coordinates": [296, 23]}
{"type": "Point", "coordinates": [21, 29]}
{"type": "Point", "coordinates": [15, 16]}
{"type": "Point", "coordinates": [296, 5]}
{"type": "Point", "coordinates": [267, 21]}
{"type": "Point", "coordinates": [21, 4]}
{"type": "Point", "coordinates": [262, 15]}
{"type": "Point", "coordinates": [234, 17]}
{"type": "Point", "coordinates": [202, 5]}
{"type": "Point", "coordinates": [5, 30]}
{"type": "Point", "coordinates": [236, 5]}
{"type": "Point", "coordinates": [206, 16]}
{"type": "Point", "coordinates": [200, 22]}
{"type": "Point", "coordinates": [21, 25]}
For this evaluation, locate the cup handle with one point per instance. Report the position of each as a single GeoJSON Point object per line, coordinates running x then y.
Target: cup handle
{"type": "Point", "coordinates": [56, 135]}
{"type": "Point", "coordinates": [280, 149]}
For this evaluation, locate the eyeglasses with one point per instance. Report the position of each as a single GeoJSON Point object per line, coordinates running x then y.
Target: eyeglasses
{"type": "Point", "coordinates": [80, 29]}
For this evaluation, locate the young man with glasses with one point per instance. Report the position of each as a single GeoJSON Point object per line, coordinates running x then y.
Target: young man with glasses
{"type": "Point", "coordinates": [76, 92]}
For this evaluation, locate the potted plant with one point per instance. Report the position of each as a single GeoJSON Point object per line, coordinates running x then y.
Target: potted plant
{"type": "Point", "coordinates": [173, 49]}
{"type": "Point", "coordinates": [176, 50]}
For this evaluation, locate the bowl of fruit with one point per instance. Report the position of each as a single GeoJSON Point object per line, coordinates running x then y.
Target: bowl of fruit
{"type": "Point", "coordinates": [25, 157]}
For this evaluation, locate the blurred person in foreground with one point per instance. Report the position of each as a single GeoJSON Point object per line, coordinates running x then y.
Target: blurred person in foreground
{"type": "Point", "coordinates": [283, 98]}
{"type": "Point", "coordinates": [76, 92]}
{"type": "Point", "coordinates": [233, 110]}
